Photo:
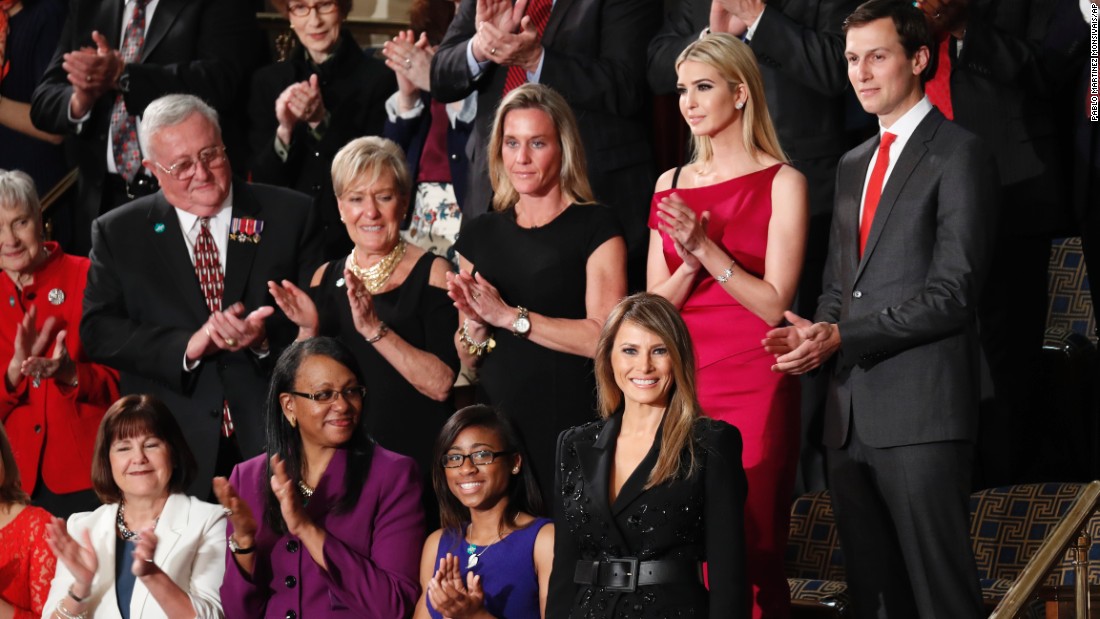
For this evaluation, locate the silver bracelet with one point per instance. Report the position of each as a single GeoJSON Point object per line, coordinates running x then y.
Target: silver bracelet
{"type": "Point", "coordinates": [727, 274]}
{"type": "Point", "coordinates": [77, 599]}
{"type": "Point", "coordinates": [60, 610]}
{"type": "Point", "coordinates": [382, 331]}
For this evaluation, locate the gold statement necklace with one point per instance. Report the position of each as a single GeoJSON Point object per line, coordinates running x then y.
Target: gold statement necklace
{"type": "Point", "coordinates": [374, 277]}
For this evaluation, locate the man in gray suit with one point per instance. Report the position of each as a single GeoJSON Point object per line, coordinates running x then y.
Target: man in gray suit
{"type": "Point", "coordinates": [908, 253]}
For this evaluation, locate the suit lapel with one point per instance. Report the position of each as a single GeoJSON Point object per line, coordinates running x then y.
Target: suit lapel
{"type": "Point", "coordinates": [850, 190]}
{"type": "Point", "coordinates": [635, 484]}
{"type": "Point", "coordinates": [908, 160]}
{"type": "Point", "coordinates": [239, 254]}
{"type": "Point", "coordinates": [173, 520]}
{"type": "Point", "coordinates": [596, 460]}
{"type": "Point", "coordinates": [164, 233]}
{"type": "Point", "coordinates": [557, 15]}
{"type": "Point", "coordinates": [163, 17]}
{"type": "Point", "coordinates": [110, 19]}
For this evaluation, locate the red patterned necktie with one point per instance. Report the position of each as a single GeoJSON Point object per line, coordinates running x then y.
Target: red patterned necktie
{"type": "Point", "coordinates": [208, 267]}
{"type": "Point", "coordinates": [124, 139]}
{"type": "Point", "coordinates": [938, 88]}
{"type": "Point", "coordinates": [539, 12]}
{"type": "Point", "coordinates": [874, 188]}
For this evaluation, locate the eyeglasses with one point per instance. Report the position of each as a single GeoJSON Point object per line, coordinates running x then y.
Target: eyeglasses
{"type": "Point", "coordinates": [211, 158]}
{"type": "Point", "coordinates": [327, 7]}
{"type": "Point", "coordinates": [479, 458]}
{"type": "Point", "coordinates": [351, 394]}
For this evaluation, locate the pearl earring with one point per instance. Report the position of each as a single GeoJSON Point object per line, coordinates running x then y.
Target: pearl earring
{"type": "Point", "coordinates": [740, 104]}
{"type": "Point", "coordinates": [515, 470]}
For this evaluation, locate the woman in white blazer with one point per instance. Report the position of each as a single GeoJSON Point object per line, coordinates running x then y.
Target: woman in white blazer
{"type": "Point", "coordinates": [149, 552]}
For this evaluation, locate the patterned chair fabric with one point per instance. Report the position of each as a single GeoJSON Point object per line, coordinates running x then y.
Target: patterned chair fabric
{"type": "Point", "coordinates": [1007, 527]}
{"type": "Point", "coordinates": [814, 563]}
{"type": "Point", "coordinates": [1070, 304]}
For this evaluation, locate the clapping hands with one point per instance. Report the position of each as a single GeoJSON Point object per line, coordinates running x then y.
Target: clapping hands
{"type": "Point", "coordinates": [410, 58]}
{"type": "Point", "coordinates": [449, 595]}
{"type": "Point", "coordinates": [300, 102]}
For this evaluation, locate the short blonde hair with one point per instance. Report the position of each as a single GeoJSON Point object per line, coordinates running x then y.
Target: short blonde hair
{"type": "Point", "coordinates": [573, 179]}
{"type": "Point", "coordinates": [735, 63]}
{"type": "Point", "coordinates": [368, 156]}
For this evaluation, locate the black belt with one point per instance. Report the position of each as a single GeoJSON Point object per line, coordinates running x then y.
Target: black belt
{"type": "Point", "coordinates": [628, 573]}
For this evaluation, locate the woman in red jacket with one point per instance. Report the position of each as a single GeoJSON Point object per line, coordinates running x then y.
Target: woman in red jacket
{"type": "Point", "coordinates": [52, 397]}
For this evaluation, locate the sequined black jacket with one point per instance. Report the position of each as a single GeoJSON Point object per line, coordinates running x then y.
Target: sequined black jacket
{"type": "Point", "coordinates": [699, 518]}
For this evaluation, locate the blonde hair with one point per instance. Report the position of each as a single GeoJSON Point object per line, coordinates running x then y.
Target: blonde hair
{"type": "Point", "coordinates": [735, 63]}
{"type": "Point", "coordinates": [573, 179]}
{"type": "Point", "coordinates": [368, 156]}
{"type": "Point", "coordinates": [655, 314]}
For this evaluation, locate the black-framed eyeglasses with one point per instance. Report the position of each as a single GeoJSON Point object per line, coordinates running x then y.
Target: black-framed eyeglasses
{"type": "Point", "coordinates": [326, 7]}
{"type": "Point", "coordinates": [351, 394]}
{"type": "Point", "coordinates": [211, 158]}
{"type": "Point", "coordinates": [479, 458]}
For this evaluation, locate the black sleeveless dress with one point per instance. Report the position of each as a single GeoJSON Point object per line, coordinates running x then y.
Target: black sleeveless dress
{"type": "Point", "coordinates": [543, 269]}
{"type": "Point", "coordinates": [399, 417]}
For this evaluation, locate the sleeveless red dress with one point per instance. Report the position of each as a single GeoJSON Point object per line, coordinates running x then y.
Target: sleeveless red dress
{"type": "Point", "coordinates": [734, 377]}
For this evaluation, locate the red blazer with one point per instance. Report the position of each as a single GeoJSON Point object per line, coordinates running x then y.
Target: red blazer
{"type": "Point", "coordinates": [53, 425]}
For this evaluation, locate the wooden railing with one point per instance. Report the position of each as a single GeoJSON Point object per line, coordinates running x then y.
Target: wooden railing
{"type": "Point", "coordinates": [1072, 530]}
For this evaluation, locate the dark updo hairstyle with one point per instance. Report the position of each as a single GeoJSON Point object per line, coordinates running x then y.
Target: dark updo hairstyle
{"type": "Point", "coordinates": [135, 415]}
{"type": "Point", "coordinates": [285, 440]}
{"type": "Point", "coordinates": [523, 488]}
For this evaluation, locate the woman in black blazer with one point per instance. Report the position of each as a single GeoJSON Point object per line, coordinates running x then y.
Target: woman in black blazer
{"type": "Point", "coordinates": [303, 109]}
{"type": "Point", "coordinates": [652, 491]}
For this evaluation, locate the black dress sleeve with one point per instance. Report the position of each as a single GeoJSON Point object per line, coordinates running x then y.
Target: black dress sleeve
{"type": "Point", "coordinates": [474, 233]}
{"type": "Point", "coordinates": [602, 225]}
{"type": "Point", "coordinates": [725, 488]}
{"type": "Point", "coordinates": [440, 321]}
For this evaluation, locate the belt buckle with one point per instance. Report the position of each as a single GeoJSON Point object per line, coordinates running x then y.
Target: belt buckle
{"type": "Point", "coordinates": [632, 575]}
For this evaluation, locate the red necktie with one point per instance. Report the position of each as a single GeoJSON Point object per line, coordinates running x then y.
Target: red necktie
{"type": "Point", "coordinates": [539, 11]}
{"type": "Point", "coordinates": [208, 268]}
{"type": "Point", "coordinates": [938, 88]}
{"type": "Point", "coordinates": [874, 188]}
{"type": "Point", "coordinates": [124, 139]}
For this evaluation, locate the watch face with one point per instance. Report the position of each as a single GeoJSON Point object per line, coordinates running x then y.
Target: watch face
{"type": "Point", "coordinates": [522, 325]}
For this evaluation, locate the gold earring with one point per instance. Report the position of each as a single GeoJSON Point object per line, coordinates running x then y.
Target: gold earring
{"type": "Point", "coordinates": [294, 422]}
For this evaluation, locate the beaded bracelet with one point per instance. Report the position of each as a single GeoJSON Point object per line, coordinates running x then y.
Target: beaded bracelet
{"type": "Point", "coordinates": [65, 614]}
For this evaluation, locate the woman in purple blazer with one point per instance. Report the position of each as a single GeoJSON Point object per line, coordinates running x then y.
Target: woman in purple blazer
{"type": "Point", "coordinates": [325, 525]}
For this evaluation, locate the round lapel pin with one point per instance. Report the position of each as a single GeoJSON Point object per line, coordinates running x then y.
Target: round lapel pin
{"type": "Point", "coordinates": [56, 296]}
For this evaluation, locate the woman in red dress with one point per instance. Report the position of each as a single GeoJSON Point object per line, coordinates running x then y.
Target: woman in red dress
{"type": "Point", "coordinates": [727, 246]}
{"type": "Point", "coordinates": [26, 563]}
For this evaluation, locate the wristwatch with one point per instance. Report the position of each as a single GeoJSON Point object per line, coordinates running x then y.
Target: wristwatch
{"type": "Point", "coordinates": [236, 549]}
{"type": "Point", "coordinates": [124, 82]}
{"type": "Point", "coordinates": [521, 326]}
